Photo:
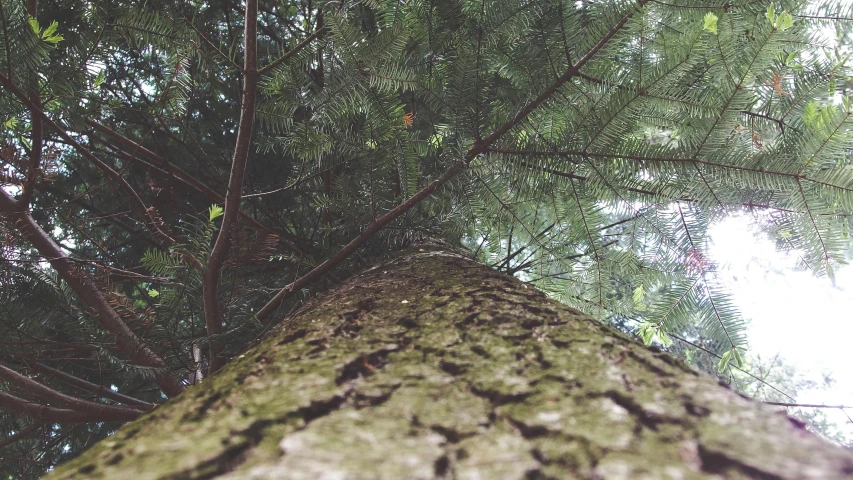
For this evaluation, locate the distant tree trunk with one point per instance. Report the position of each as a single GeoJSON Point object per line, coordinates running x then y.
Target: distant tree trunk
{"type": "Point", "coordinates": [431, 365]}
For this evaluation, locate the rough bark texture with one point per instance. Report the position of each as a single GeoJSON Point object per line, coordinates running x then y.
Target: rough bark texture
{"type": "Point", "coordinates": [433, 366]}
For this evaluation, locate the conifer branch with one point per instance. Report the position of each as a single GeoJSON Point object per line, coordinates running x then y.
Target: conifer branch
{"type": "Point", "coordinates": [372, 229]}
{"type": "Point", "coordinates": [596, 257]}
{"type": "Point", "coordinates": [814, 223]}
{"type": "Point", "coordinates": [508, 209]}
{"type": "Point", "coordinates": [558, 145]}
{"type": "Point", "coordinates": [718, 357]}
{"type": "Point", "coordinates": [825, 142]}
{"type": "Point", "coordinates": [5, 27]}
{"type": "Point", "coordinates": [42, 413]}
{"type": "Point", "coordinates": [84, 286]}
{"type": "Point", "coordinates": [578, 177]}
{"type": "Point", "coordinates": [214, 47]}
{"type": "Point", "coordinates": [834, 18]}
{"type": "Point", "coordinates": [480, 147]}
{"type": "Point", "coordinates": [572, 72]}
{"type": "Point", "coordinates": [135, 200]}
{"type": "Point", "coordinates": [54, 397]}
{"type": "Point", "coordinates": [702, 274]}
{"type": "Point", "coordinates": [98, 390]}
{"type": "Point", "coordinates": [806, 405]}
{"type": "Point", "coordinates": [289, 240]}
{"type": "Point", "coordinates": [23, 432]}
{"type": "Point", "coordinates": [293, 51]}
{"type": "Point", "coordinates": [233, 197]}
{"type": "Point", "coordinates": [643, 158]}
{"type": "Point", "coordinates": [781, 123]}
{"type": "Point", "coordinates": [36, 132]}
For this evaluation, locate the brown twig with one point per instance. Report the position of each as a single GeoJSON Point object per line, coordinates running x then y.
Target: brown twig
{"type": "Point", "coordinates": [43, 413]}
{"type": "Point", "coordinates": [98, 390]}
{"type": "Point", "coordinates": [233, 197]}
{"type": "Point", "coordinates": [54, 397]}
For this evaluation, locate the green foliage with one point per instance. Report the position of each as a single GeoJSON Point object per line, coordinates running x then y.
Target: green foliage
{"type": "Point", "coordinates": [651, 332]}
{"type": "Point", "coordinates": [709, 23]}
{"type": "Point", "coordinates": [728, 357]}
{"type": "Point", "coordinates": [214, 212]}
{"type": "Point", "coordinates": [47, 35]}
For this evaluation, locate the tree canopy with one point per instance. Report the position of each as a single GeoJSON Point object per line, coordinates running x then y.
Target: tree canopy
{"type": "Point", "coordinates": [178, 176]}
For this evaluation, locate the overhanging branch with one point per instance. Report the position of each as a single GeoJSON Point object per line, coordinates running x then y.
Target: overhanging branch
{"type": "Point", "coordinates": [210, 276]}
{"type": "Point", "coordinates": [85, 288]}
{"type": "Point", "coordinates": [480, 147]}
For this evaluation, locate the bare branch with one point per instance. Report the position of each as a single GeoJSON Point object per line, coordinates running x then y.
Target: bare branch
{"type": "Point", "coordinates": [45, 414]}
{"type": "Point", "coordinates": [54, 397]}
{"type": "Point", "coordinates": [210, 277]}
{"type": "Point", "coordinates": [99, 390]}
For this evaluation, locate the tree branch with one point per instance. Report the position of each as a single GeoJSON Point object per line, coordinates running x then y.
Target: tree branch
{"type": "Point", "coordinates": [45, 414]}
{"type": "Point", "coordinates": [641, 158]}
{"type": "Point", "coordinates": [293, 51]}
{"type": "Point", "coordinates": [214, 47]}
{"type": "Point", "coordinates": [20, 434]}
{"type": "Point", "coordinates": [372, 229]}
{"type": "Point", "coordinates": [54, 397]}
{"type": "Point", "coordinates": [481, 146]}
{"type": "Point", "coordinates": [137, 202]}
{"type": "Point", "coordinates": [98, 390]}
{"type": "Point", "coordinates": [210, 277]}
{"type": "Point", "coordinates": [85, 288]}
{"type": "Point", "coordinates": [289, 240]}
{"type": "Point", "coordinates": [37, 129]}
{"type": "Point", "coordinates": [806, 405]}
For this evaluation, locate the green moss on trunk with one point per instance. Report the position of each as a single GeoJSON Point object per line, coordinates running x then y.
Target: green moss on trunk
{"type": "Point", "coordinates": [433, 366]}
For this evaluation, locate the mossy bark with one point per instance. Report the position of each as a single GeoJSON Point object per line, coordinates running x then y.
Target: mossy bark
{"type": "Point", "coordinates": [431, 365]}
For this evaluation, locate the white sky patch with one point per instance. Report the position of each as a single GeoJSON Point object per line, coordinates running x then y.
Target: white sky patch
{"type": "Point", "coordinates": [804, 319]}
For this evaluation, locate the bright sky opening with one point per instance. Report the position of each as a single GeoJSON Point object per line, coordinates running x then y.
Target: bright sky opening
{"type": "Point", "coordinates": [804, 319]}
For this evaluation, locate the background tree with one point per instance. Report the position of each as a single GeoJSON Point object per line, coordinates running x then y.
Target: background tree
{"type": "Point", "coordinates": [778, 383]}
{"type": "Point", "coordinates": [584, 147]}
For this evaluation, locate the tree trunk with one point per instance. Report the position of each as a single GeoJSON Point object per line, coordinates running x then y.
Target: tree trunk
{"type": "Point", "coordinates": [431, 365]}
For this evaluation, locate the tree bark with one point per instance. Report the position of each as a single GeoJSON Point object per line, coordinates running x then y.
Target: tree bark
{"type": "Point", "coordinates": [431, 365]}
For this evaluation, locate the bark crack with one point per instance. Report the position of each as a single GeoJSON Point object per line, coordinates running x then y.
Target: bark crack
{"type": "Point", "coordinates": [648, 419]}
{"type": "Point", "coordinates": [232, 457]}
{"type": "Point", "coordinates": [366, 364]}
{"type": "Point", "coordinates": [497, 398]}
{"type": "Point", "coordinates": [719, 463]}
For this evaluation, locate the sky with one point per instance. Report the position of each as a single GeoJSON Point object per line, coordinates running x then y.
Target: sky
{"type": "Point", "coordinates": [804, 319]}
